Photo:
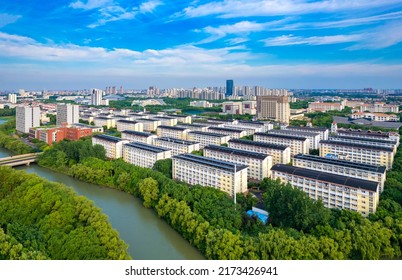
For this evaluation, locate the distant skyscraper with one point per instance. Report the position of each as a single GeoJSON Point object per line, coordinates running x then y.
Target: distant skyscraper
{"type": "Point", "coordinates": [273, 107]}
{"type": "Point", "coordinates": [67, 113]}
{"type": "Point", "coordinates": [113, 90]}
{"type": "Point", "coordinates": [26, 118]}
{"type": "Point", "coordinates": [229, 87]}
{"type": "Point", "coordinates": [121, 90]}
{"type": "Point", "coordinates": [12, 98]}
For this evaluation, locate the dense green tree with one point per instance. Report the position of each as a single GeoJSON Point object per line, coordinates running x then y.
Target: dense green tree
{"type": "Point", "coordinates": [149, 191]}
{"type": "Point", "coordinates": [164, 166]}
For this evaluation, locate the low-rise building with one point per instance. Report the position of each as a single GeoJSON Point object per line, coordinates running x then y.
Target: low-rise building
{"type": "Point", "coordinates": [207, 138]}
{"type": "Point", "coordinates": [144, 155]}
{"type": "Point", "coordinates": [370, 134]}
{"type": "Point", "coordinates": [181, 118]}
{"type": "Point", "coordinates": [149, 124]}
{"type": "Point", "coordinates": [172, 131]}
{"type": "Point", "coordinates": [342, 167]}
{"type": "Point", "coordinates": [259, 164]}
{"type": "Point", "coordinates": [379, 117]}
{"type": "Point", "coordinates": [167, 121]}
{"type": "Point", "coordinates": [197, 170]}
{"type": "Point", "coordinates": [178, 146]}
{"type": "Point", "coordinates": [105, 121]}
{"type": "Point", "coordinates": [129, 125]}
{"type": "Point", "coordinates": [313, 137]}
{"type": "Point", "coordinates": [379, 107]}
{"type": "Point", "coordinates": [324, 107]}
{"type": "Point", "coordinates": [366, 141]}
{"type": "Point", "coordinates": [194, 127]}
{"type": "Point", "coordinates": [232, 132]}
{"type": "Point", "coordinates": [113, 145]}
{"type": "Point", "coordinates": [279, 153]}
{"type": "Point", "coordinates": [335, 191]}
{"type": "Point", "coordinates": [324, 132]}
{"type": "Point", "coordinates": [137, 136]}
{"type": "Point", "coordinates": [297, 144]}
{"type": "Point", "coordinates": [368, 154]}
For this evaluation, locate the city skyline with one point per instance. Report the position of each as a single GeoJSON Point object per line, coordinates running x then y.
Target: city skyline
{"type": "Point", "coordinates": [276, 44]}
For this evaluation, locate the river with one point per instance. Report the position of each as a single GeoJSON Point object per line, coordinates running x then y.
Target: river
{"type": "Point", "coordinates": [148, 236]}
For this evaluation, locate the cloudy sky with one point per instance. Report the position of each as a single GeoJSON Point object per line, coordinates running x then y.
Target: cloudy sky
{"type": "Point", "coordinates": [78, 44]}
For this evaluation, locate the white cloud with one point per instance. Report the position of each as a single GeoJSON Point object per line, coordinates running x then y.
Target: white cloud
{"type": "Point", "coordinates": [6, 19]}
{"type": "Point", "coordinates": [240, 8]}
{"type": "Point", "coordinates": [90, 4]}
{"type": "Point", "coordinates": [288, 40]}
{"type": "Point", "coordinates": [150, 6]}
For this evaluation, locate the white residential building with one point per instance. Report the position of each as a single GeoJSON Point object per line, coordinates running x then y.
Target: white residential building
{"type": "Point", "coordinates": [233, 133]}
{"type": "Point", "coordinates": [297, 144]}
{"type": "Point", "coordinates": [137, 136]}
{"type": "Point", "coordinates": [366, 141]}
{"type": "Point", "coordinates": [26, 118]}
{"type": "Point", "coordinates": [197, 170]}
{"type": "Point", "coordinates": [194, 127]}
{"type": "Point", "coordinates": [149, 124]}
{"type": "Point", "coordinates": [113, 145]}
{"type": "Point", "coordinates": [178, 146]}
{"type": "Point", "coordinates": [313, 137]}
{"type": "Point", "coordinates": [105, 121]}
{"type": "Point", "coordinates": [144, 155]}
{"type": "Point", "coordinates": [129, 125]}
{"type": "Point", "coordinates": [172, 131]}
{"type": "Point", "coordinates": [68, 114]}
{"type": "Point", "coordinates": [259, 164]}
{"type": "Point", "coordinates": [167, 121]}
{"type": "Point", "coordinates": [207, 138]}
{"type": "Point", "coordinates": [324, 132]}
{"type": "Point", "coordinates": [12, 98]}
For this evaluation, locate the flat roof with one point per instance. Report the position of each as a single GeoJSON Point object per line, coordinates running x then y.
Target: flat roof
{"type": "Point", "coordinates": [341, 162]}
{"type": "Point", "coordinates": [236, 152]}
{"type": "Point", "coordinates": [138, 133]}
{"type": "Point", "coordinates": [292, 132]}
{"type": "Point", "coordinates": [259, 144]}
{"type": "Point", "coordinates": [172, 127]}
{"type": "Point", "coordinates": [127, 121]}
{"type": "Point", "coordinates": [102, 118]}
{"type": "Point", "coordinates": [108, 138]}
{"type": "Point", "coordinates": [224, 165]}
{"type": "Point", "coordinates": [281, 136]}
{"type": "Point", "coordinates": [326, 177]}
{"type": "Point", "coordinates": [164, 118]}
{"type": "Point", "coordinates": [149, 120]}
{"type": "Point", "coordinates": [208, 133]}
{"type": "Point", "coordinates": [372, 140]}
{"type": "Point", "coordinates": [176, 140]}
{"type": "Point", "coordinates": [150, 148]}
{"type": "Point", "coordinates": [363, 146]}
{"type": "Point", "coordinates": [191, 125]}
{"type": "Point", "coordinates": [378, 134]}
{"type": "Point", "coordinates": [323, 129]}
{"type": "Point", "coordinates": [225, 129]}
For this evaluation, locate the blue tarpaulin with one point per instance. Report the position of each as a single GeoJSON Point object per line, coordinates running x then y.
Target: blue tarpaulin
{"type": "Point", "coordinates": [263, 218]}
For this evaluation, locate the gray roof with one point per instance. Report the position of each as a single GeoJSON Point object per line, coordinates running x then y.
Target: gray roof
{"type": "Point", "coordinates": [236, 152]}
{"type": "Point", "coordinates": [208, 133]}
{"type": "Point", "coordinates": [370, 140]}
{"type": "Point", "coordinates": [321, 129]}
{"type": "Point", "coordinates": [108, 138]}
{"type": "Point", "coordinates": [147, 147]}
{"type": "Point", "coordinates": [224, 165]}
{"type": "Point", "coordinates": [281, 136]}
{"type": "Point", "coordinates": [172, 127]}
{"type": "Point", "coordinates": [176, 140]}
{"type": "Point", "coordinates": [341, 162]}
{"type": "Point", "coordinates": [137, 133]}
{"type": "Point", "coordinates": [292, 132]}
{"type": "Point", "coordinates": [225, 129]}
{"type": "Point", "coordinates": [363, 146]}
{"type": "Point", "coordinates": [345, 120]}
{"type": "Point", "coordinates": [326, 177]}
{"type": "Point", "coordinates": [127, 121]}
{"type": "Point", "coordinates": [259, 144]}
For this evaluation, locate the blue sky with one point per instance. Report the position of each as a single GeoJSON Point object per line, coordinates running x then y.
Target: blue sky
{"type": "Point", "coordinates": [63, 44]}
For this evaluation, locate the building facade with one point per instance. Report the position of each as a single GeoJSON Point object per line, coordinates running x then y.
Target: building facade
{"type": "Point", "coordinates": [197, 170]}
{"type": "Point", "coordinates": [274, 108]}
{"type": "Point", "coordinates": [324, 132]}
{"type": "Point", "coordinates": [144, 155]}
{"type": "Point", "coordinates": [297, 144]}
{"type": "Point", "coordinates": [149, 124]}
{"type": "Point", "coordinates": [113, 145]}
{"type": "Point", "coordinates": [172, 132]}
{"type": "Point", "coordinates": [313, 137]}
{"type": "Point", "coordinates": [232, 132]}
{"type": "Point", "coordinates": [207, 138]}
{"type": "Point", "coordinates": [26, 118]}
{"type": "Point", "coordinates": [137, 136]}
{"type": "Point", "coordinates": [177, 146]}
{"type": "Point", "coordinates": [259, 164]}
{"type": "Point", "coordinates": [129, 125]}
{"type": "Point", "coordinates": [67, 113]}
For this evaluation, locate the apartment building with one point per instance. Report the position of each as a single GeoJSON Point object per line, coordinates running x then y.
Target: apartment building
{"type": "Point", "coordinates": [379, 107]}
{"type": "Point", "coordinates": [172, 131]}
{"type": "Point", "coordinates": [95, 129]}
{"type": "Point", "coordinates": [177, 146]}
{"type": "Point", "coordinates": [279, 153]}
{"type": "Point", "coordinates": [369, 134]}
{"type": "Point", "coordinates": [342, 167]}
{"type": "Point", "coordinates": [313, 137]}
{"type": "Point", "coordinates": [144, 155]}
{"type": "Point", "coordinates": [379, 117]}
{"type": "Point", "coordinates": [129, 125]}
{"type": "Point", "coordinates": [194, 127]}
{"type": "Point", "coordinates": [105, 121]}
{"type": "Point", "coordinates": [232, 132]}
{"type": "Point", "coordinates": [366, 141]}
{"type": "Point", "coordinates": [367, 154]}
{"type": "Point", "coordinates": [167, 121]}
{"type": "Point", "coordinates": [259, 126]}
{"type": "Point", "coordinates": [297, 144]}
{"type": "Point", "coordinates": [113, 145]}
{"type": "Point", "coordinates": [324, 107]}
{"type": "Point", "coordinates": [207, 138]}
{"type": "Point", "coordinates": [67, 113]}
{"type": "Point", "coordinates": [335, 191]}
{"type": "Point", "coordinates": [26, 118]}
{"type": "Point", "coordinates": [324, 132]}
{"type": "Point", "coordinates": [249, 130]}
{"type": "Point", "coordinates": [197, 170]}
{"type": "Point", "coordinates": [137, 136]}
{"type": "Point", "coordinates": [149, 124]}
{"type": "Point", "coordinates": [181, 118]}
{"type": "Point", "coordinates": [136, 116]}
{"type": "Point", "coordinates": [259, 164]}
{"type": "Point", "coordinates": [273, 107]}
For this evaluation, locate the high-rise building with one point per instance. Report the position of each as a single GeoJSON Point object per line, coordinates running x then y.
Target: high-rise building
{"type": "Point", "coordinates": [273, 107]}
{"type": "Point", "coordinates": [26, 118]}
{"type": "Point", "coordinates": [229, 87]}
{"type": "Point", "coordinates": [96, 97]}
{"type": "Point", "coordinates": [67, 113]}
{"type": "Point", "coordinates": [114, 90]}
{"type": "Point", "coordinates": [121, 90]}
{"type": "Point", "coordinates": [12, 98]}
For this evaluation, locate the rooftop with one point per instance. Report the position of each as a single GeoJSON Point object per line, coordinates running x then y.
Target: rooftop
{"type": "Point", "coordinates": [372, 140]}
{"type": "Point", "coordinates": [224, 165]}
{"type": "Point", "coordinates": [150, 148]}
{"type": "Point", "coordinates": [292, 132]}
{"type": "Point", "coordinates": [208, 133]}
{"type": "Point", "coordinates": [172, 127]}
{"type": "Point", "coordinates": [225, 129]}
{"type": "Point", "coordinates": [327, 177]}
{"type": "Point", "coordinates": [137, 133]}
{"type": "Point", "coordinates": [307, 128]}
{"type": "Point", "coordinates": [356, 145]}
{"type": "Point", "coordinates": [259, 144]}
{"type": "Point", "coordinates": [176, 140]}
{"type": "Point", "coordinates": [236, 152]}
{"type": "Point", "coordinates": [341, 162]}
{"type": "Point", "coordinates": [108, 138]}
{"type": "Point", "coordinates": [281, 136]}
{"type": "Point", "coordinates": [127, 121]}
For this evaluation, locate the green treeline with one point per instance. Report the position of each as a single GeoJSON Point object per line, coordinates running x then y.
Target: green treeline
{"type": "Point", "coordinates": [299, 227]}
{"type": "Point", "coordinates": [7, 112]}
{"type": "Point", "coordinates": [44, 220]}
{"type": "Point", "coordinates": [12, 143]}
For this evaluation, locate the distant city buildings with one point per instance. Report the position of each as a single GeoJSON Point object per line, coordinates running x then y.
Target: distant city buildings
{"type": "Point", "coordinates": [12, 98]}
{"type": "Point", "coordinates": [229, 88]}
{"type": "Point", "coordinates": [67, 114]}
{"type": "Point", "coordinates": [274, 108]}
{"type": "Point", "coordinates": [324, 107]}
